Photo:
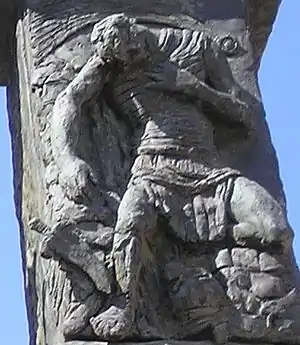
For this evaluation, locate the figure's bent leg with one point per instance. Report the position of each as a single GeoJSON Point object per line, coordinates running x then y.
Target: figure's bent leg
{"type": "Point", "coordinates": [259, 217]}
{"type": "Point", "coordinates": [136, 216]}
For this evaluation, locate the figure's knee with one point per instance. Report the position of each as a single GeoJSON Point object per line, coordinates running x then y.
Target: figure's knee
{"type": "Point", "coordinates": [135, 213]}
{"type": "Point", "coordinates": [258, 215]}
{"type": "Point", "coordinates": [252, 234]}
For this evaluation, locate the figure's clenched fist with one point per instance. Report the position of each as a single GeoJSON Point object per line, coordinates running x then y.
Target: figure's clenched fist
{"type": "Point", "coordinates": [78, 180]}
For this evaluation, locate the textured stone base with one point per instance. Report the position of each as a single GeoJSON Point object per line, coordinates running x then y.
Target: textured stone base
{"type": "Point", "coordinates": [160, 342]}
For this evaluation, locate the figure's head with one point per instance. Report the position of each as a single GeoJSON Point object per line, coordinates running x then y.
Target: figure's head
{"type": "Point", "coordinates": [118, 37]}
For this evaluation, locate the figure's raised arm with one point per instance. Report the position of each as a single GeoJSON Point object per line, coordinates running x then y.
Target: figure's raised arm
{"type": "Point", "coordinates": [67, 108]}
{"type": "Point", "coordinates": [118, 42]}
{"type": "Point", "coordinates": [76, 176]}
{"type": "Point", "coordinates": [113, 42]}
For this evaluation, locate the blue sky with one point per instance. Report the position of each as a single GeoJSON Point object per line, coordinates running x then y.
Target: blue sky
{"type": "Point", "coordinates": [279, 81]}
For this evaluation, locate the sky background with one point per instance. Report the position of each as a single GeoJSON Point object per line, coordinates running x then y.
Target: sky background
{"type": "Point", "coordinates": [279, 81]}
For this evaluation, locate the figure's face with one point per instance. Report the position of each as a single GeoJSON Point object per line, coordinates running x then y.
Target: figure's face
{"type": "Point", "coordinates": [118, 38]}
{"type": "Point", "coordinates": [112, 44]}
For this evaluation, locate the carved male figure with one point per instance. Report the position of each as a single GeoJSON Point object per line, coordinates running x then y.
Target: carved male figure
{"type": "Point", "coordinates": [176, 158]}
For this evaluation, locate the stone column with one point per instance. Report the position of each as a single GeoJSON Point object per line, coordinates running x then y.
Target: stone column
{"type": "Point", "coordinates": [240, 285]}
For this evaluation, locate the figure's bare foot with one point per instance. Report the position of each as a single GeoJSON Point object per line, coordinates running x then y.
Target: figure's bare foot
{"type": "Point", "coordinates": [78, 315]}
{"type": "Point", "coordinates": [113, 324]}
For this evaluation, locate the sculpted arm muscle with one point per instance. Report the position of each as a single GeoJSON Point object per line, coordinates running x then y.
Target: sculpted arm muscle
{"type": "Point", "coordinates": [168, 77]}
{"type": "Point", "coordinates": [234, 108]}
{"type": "Point", "coordinates": [67, 107]}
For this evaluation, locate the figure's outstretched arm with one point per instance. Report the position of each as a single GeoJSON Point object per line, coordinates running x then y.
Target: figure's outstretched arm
{"type": "Point", "coordinates": [76, 177]}
{"type": "Point", "coordinates": [169, 78]}
{"type": "Point", "coordinates": [227, 105]}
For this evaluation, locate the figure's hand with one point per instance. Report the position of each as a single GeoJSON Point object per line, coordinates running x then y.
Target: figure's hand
{"type": "Point", "coordinates": [231, 100]}
{"type": "Point", "coordinates": [162, 77]}
{"type": "Point", "coordinates": [168, 77]}
{"type": "Point", "coordinates": [77, 180]}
